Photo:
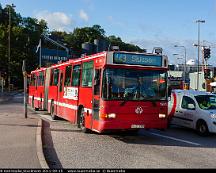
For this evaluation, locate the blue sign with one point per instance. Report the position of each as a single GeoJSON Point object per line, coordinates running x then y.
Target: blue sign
{"type": "Point", "coordinates": [137, 59]}
{"type": "Point", "coordinates": [53, 56]}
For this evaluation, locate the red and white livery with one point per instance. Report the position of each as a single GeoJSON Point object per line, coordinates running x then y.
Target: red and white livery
{"type": "Point", "coordinates": [36, 89]}
{"type": "Point", "coordinates": [111, 90]}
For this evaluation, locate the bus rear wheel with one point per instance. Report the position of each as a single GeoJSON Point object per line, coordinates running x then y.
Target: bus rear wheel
{"type": "Point", "coordinates": [81, 120]}
{"type": "Point", "coordinates": [52, 111]}
{"type": "Point", "coordinates": [33, 106]}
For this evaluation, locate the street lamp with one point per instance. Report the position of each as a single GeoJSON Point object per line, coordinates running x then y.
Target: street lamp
{"type": "Point", "coordinates": [9, 40]}
{"type": "Point", "coordinates": [176, 54]}
{"type": "Point", "coordinates": [185, 60]}
{"type": "Point", "coordinates": [198, 45]}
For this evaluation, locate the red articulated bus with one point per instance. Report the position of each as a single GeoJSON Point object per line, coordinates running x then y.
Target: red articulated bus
{"type": "Point", "coordinates": [36, 89]}
{"type": "Point", "coordinates": [111, 90]}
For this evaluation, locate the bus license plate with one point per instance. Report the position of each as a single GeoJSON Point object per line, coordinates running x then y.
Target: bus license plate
{"type": "Point", "coordinates": [134, 126]}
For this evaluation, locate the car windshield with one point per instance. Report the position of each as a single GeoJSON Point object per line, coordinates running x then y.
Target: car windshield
{"type": "Point", "coordinates": [130, 84]}
{"type": "Point", "coordinates": [206, 102]}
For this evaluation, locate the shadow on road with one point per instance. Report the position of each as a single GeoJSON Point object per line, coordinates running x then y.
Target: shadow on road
{"type": "Point", "coordinates": [165, 138]}
{"type": "Point", "coordinates": [48, 148]}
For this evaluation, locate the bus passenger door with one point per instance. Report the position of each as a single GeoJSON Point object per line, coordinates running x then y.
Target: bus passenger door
{"type": "Point", "coordinates": [96, 95]}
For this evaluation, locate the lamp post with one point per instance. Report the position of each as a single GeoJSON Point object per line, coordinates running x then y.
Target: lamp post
{"type": "Point", "coordinates": [185, 60]}
{"type": "Point", "coordinates": [176, 54]}
{"type": "Point", "coordinates": [9, 41]}
{"type": "Point", "coordinates": [198, 45]}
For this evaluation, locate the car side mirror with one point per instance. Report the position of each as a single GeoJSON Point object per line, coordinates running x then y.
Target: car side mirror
{"type": "Point", "coordinates": [191, 106]}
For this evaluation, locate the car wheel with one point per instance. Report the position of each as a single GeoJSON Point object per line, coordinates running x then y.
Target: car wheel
{"type": "Point", "coordinates": [202, 128]}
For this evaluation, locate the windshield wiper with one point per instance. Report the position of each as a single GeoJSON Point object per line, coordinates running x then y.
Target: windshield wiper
{"type": "Point", "coordinates": [124, 101]}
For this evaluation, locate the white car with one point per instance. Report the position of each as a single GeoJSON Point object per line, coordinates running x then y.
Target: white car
{"type": "Point", "coordinates": [193, 109]}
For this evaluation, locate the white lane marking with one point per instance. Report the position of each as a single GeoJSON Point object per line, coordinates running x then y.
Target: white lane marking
{"type": "Point", "coordinates": [175, 139]}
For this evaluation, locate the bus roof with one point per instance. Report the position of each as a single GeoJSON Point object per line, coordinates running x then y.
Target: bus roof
{"type": "Point", "coordinates": [39, 70]}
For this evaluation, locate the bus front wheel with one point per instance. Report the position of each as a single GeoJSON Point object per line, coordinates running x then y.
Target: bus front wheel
{"type": "Point", "coordinates": [81, 120]}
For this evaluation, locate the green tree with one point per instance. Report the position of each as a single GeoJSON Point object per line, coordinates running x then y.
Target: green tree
{"type": "Point", "coordinates": [117, 41]}
{"type": "Point", "coordinates": [82, 35]}
{"type": "Point", "coordinates": [25, 33]}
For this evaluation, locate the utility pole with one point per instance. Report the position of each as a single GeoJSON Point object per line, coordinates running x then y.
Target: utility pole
{"type": "Point", "coordinates": [198, 21]}
{"type": "Point", "coordinates": [185, 62]}
{"type": "Point", "coordinates": [25, 87]}
{"type": "Point", "coordinates": [9, 44]}
{"type": "Point", "coordinates": [9, 29]}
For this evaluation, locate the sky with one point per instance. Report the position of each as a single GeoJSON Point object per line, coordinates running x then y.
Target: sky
{"type": "Point", "coordinates": [146, 23]}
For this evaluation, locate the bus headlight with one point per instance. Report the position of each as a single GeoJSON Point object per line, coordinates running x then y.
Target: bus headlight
{"type": "Point", "coordinates": [162, 115]}
{"type": "Point", "coordinates": [213, 116]}
{"type": "Point", "coordinates": [112, 115]}
{"type": "Point", "coordinates": [105, 116]}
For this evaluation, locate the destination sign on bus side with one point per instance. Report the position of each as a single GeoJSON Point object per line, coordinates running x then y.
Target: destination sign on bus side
{"type": "Point", "coordinates": [137, 59]}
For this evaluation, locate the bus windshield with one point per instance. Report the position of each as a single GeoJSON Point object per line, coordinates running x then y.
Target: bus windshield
{"type": "Point", "coordinates": [130, 84]}
{"type": "Point", "coordinates": [206, 102]}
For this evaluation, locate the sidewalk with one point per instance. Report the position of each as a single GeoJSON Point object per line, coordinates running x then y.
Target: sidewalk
{"type": "Point", "coordinates": [18, 144]}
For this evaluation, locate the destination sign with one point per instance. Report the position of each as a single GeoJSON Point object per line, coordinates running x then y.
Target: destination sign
{"type": "Point", "coordinates": [137, 59]}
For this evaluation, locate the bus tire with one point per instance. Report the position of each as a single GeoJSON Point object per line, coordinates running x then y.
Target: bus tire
{"type": "Point", "coordinates": [41, 102]}
{"type": "Point", "coordinates": [81, 120]}
{"type": "Point", "coordinates": [33, 106]}
{"type": "Point", "coordinates": [202, 128]}
{"type": "Point", "coordinates": [52, 110]}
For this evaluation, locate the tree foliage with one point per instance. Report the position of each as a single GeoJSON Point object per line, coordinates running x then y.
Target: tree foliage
{"type": "Point", "coordinates": [24, 36]}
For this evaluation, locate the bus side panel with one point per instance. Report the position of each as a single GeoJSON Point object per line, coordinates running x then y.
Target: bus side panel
{"type": "Point", "coordinates": [71, 105]}
{"type": "Point", "coordinates": [31, 94]}
{"type": "Point", "coordinates": [36, 98]}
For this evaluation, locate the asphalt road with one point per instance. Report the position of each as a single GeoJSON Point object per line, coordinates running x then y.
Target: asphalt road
{"type": "Point", "coordinates": [66, 146]}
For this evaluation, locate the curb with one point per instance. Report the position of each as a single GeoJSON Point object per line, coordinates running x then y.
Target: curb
{"type": "Point", "coordinates": [39, 145]}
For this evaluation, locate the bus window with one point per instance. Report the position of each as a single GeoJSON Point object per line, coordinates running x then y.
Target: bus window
{"type": "Point", "coordinates": [67, 75]}
{"type": "Point", "coordinates": [127, 84]}
{"type": "Point", "coordinates": [76, 75]}
{"type": "Point", "coordinates": [61, 82]}
{"type": "Point", "coordinates": [55, 77]}
{"type": "Point", "coordinates": [87, 74]}
{"type": "Point", "coordinates": [97, 81]}
{"type": "Point", "coordinates": [41, 79]}
{"type": "Point", "coordinates": [51, 77]}
{"type": "Point", "coordinates": [33, 77]}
